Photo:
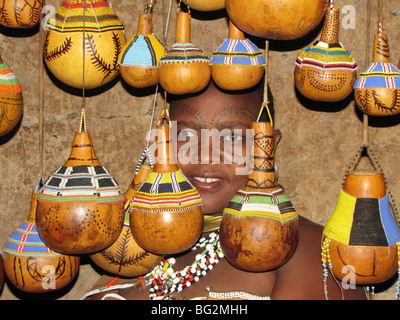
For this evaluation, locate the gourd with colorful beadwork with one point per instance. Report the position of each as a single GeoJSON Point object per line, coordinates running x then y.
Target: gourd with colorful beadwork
{"type": "Point", "coordinates": [166, 214]}
{"type": "Point", "coordinates": [11, 100]}
{"type": "Point", "coordinates": [326, 71]}
{"type": "Point", "coordinates": [81, 206]}
{"type": "Point", "coordinates": [95, 64]}
{"type": "Point", "coordinates": [237, 63]}
{"type": "Point", "coordinates": [30, 265]}
{"type": "Point", "coordinates": [259, 228]}
{"type": "Point", "coordinates": [139, 60]}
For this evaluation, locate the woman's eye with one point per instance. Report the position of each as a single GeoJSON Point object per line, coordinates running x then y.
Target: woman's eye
{"type": "Point", "coordinates": [234, 136]}
{"type": "Point", "coordinates": [186, 133]}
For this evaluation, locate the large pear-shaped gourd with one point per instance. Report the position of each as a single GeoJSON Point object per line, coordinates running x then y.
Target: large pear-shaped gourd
{"type": "Point", "coordinates": [205, 5]}
{"type": "Point", "coordinates": [326, 71]}
{"type": "Point", "coordinates": [81, 206]}
{"type": "Point", "coordinates": [184, 68]}
{"type": "Point", "coordinates": [361, 234]}
{"type": "Point", "coordinates": [30, 265]}
{"type": "Point", "coordinates": [11, 101]}
{"type": "Point", "coordinates": [139, 59]}
{"type": "Point", "coordinates": [125, 257]}
{"type": "Point", "coordinates": [166, 214]}
{"type": "Point", "coordinates": [237, 63]}
{"type": "Point", "coordinates": [63, 50]}
{"type": "Point", "coordinates": [377, 88]}
{"type": "Point", "coordinates": [276, 19]}
{"type": "Point", "coordinates": [259, 228]}
{"type": "Point", "coordinates": [20, 14]}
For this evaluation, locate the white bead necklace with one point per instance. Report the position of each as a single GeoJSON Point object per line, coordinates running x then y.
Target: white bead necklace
{"type": "Point", "coordinates": [164, 280]}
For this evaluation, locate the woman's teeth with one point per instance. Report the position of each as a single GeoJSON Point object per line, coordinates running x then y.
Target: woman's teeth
{"type": "Point", "coordinates": [206, 180]}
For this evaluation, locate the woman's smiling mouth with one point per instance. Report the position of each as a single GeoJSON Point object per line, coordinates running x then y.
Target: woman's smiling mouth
{"type": "Point", "coordinates": [206, 183]}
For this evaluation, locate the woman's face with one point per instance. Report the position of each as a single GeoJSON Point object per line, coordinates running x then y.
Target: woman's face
{"type": "Point", "coordinates": [202, 122]}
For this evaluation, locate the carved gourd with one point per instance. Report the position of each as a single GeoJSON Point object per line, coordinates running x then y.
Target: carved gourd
{"type": "Point", "coordinates": [184, 68]}
{"type": "Point", "coordinates": [11, 100]}
{"type": "Point", "coordinates": [326, 71]}
{"type": "Point", "coordinates": [166, 214]}
{"type": "Point", "coordinates": [276, 19]}
{"type": "Point", "coordinates": [139, 59]}
{"type": "Point", "coordinates": [259, 228]}
{"type": "Point", "coordinates": [237, 63]}
{"type": "Point", "coordinates": [63, 49]}
{"type": "Point", "coordinates": [20, 14]}
{"type": "Point", "coordinates": [125, 257]}
{"type": "Point", "coordinates": [81, 206]}
{"type": "Point", "coordinates": [206, 5]}
{"type": "Point", "coordinates": [361, 235]}
{"type": "Point", "coordinates": [377, 88]}
{"type": "Point", "coordinates": [30, 265]}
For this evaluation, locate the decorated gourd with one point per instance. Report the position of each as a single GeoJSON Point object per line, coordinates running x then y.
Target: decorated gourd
{"type": "Point", "coordinates": [11, 101]}
{"type": "Point", "coordinates": [237, 63]}
{"type": "Point", "coordinates": [361, 237]}
{"type": "Point", "coordinates": [30, 265]}
{"type": "Point", "coordinates": [259, 227]}
{"type": "Point", "coordinates": [81, 206]}
{"type": "Point", "coordinates": [166, 214]}
{"type": "Point", "coordinates": [377, 88]}
{"type": "Point", "coordinates": [326, 71]}
{"type": "Point", "coordinates": [206, 5]}
{"type": "Point", "coordinates": [20, 14]}
{"type": "Point", "coordinates": [139, 59]}
{"type": "Point", "coordinates": [125, 257]}
{"type": "Point", "coordinates": [63, 50]}
{"type": "Point", "coordinates": [184, 68]}
{"type": "Point", "coordinates": [276, 19]}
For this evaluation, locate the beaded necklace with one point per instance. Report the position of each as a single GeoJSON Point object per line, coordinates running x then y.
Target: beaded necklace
{"type": "Point", "coordinates": [165, 281]}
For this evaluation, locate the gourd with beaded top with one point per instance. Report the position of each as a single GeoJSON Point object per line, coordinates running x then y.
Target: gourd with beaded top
{"type": "Point", "coordinates": [11, 100]}
{"type": "Point", "coordinates": [81, 206]}
{"type": "Point", "coordinates": [326, 71]}
{"type": "Point", "coordinates": [63, 50]}
{"type": "Point", "coordinates": [362, 236]}
{"type": "Point", "coordinates": [166, 214]}
{"type": "Point", "coordinates": [276, 19]}
{"type": "Point", "coordinates": [259, 228]}
{"type": "Point", "coordinates": [139, 60]}
{"type": "Point", "coordinates": [377, 88]}
{"type": "Point", "coordinates": [185, 68]}
{"type": "Point", "coordinates": [30, 265]}
{"type": "Point", "coordinates": [237, 63]}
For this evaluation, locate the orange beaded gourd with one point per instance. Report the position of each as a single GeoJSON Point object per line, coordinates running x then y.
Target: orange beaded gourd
{"type": "Point", "coordinates": [91, 66]}
{"type": "Point", "coordinates": [30, 265]}
{"type": "Point", "coordinates": [377, 88]}
{"type": "Point", "coordinates": [166, 214]}
{"type": "Point", "coordinates": [20, 14]}
{"type": "Point", "coordinates": [326, 71]}
{"type": "Point", "coordinates": [259, 228]}
{"type": "Point", "coordinates": [80, 207]}
{"type": "Point", "coordinates": [184, 68]}
{"type": "Point", "coordinates": [276, 19]}
{"type": "Point", "coordinates": [11, 100]}
{"type": "Point", "coordinates": [125, 257]}
{"type": "Point", "coordinates": [139, 60]}
{"type": "Point", "coordinates": [237, 64]}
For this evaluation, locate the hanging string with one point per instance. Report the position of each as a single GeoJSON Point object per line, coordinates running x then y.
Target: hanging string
{"type": "Point", "coordinates": [83, 111]}
{"type": "Point", "coordinates": [368, 59]}
{"type": "Point", "coordinates": [265, 102]}
{"type": "Point", "coordinates": [380, 28]}
{"type": "Point", "coordinates": [41, 94]}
